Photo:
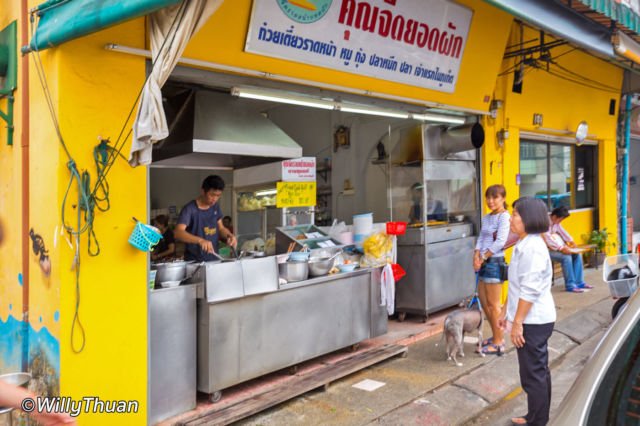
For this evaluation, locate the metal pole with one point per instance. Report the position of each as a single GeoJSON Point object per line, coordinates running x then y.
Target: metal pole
{"type": "Point", "coordinates": [24, 185]}
{"type": "Point", "coordinates": [625, 175]}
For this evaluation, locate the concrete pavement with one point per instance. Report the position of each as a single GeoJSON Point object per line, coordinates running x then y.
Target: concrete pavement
{"type": "Point", "coordinates": [425, 389]}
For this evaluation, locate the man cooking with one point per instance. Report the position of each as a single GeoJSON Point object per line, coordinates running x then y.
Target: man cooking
{"type": "Point", "coordinates": [200, 223]}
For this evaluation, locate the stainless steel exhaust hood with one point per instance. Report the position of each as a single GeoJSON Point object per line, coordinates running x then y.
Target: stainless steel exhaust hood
{"type": "Point", "coordinates": [214, 130]}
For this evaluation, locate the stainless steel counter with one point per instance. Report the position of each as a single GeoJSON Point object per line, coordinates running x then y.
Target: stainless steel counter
{"type": "Point", "coordinates": [439, 272]}
{"type": "Point", "coordinates": [240, 339]}
{"type": "Point", "coordinates": [172, 351]}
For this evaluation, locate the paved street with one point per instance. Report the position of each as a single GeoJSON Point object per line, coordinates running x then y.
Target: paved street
{"type": "Point", "coordinates": [425, 389]}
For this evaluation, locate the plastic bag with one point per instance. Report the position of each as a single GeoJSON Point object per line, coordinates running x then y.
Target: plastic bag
{"type": "Point", "coordinates": [378, 250]}
{"type": "Point", "coordinates": [336, 230]}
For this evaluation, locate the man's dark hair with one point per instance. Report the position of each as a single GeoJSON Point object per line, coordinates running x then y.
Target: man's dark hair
{"type": "Point", "coordinates": [214, 182]}
{"type": "Point", "coordinates": [227, 218]}
{"type": "Point", "coordinates": [533, 213]}
{"type": "Point", "coordinates": [561, 212]}
{"type": "Point", "coordinates": [163, 220]}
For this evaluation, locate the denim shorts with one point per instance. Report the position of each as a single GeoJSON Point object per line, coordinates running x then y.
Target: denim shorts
{"type": "Point", "coordinates": [490, 271]}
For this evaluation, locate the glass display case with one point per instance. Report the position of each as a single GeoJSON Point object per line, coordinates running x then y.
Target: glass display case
{"type": "Point", "coordinates": [448, 189]}
{"type": "Point", "coordinates": [256, 218]}
{"type": "Point", "coordinates": [255, 215]}
{"type": "Point", "coordinates": [437, 192]}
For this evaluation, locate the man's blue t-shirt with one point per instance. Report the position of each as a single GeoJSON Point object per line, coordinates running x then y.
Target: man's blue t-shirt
{"type": "Point", "coordinates": [204, 224]}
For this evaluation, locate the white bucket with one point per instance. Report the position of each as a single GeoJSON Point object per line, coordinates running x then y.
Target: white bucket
{"type": "Point", "coordinates": [346, 238]}
{"type": "Point", "coordinates": [362, 227]}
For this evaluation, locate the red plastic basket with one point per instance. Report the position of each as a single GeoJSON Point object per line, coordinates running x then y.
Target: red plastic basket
{"type": "Point", "coordinates": [396, 228]}
{"type": "Point", "coordinates": [398, 272]}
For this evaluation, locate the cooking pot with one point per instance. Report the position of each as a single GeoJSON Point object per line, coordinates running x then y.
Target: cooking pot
{"type": "Point", "coordinates": [294, 271]}
{"type": "Point", "coordinates": [170, 271]}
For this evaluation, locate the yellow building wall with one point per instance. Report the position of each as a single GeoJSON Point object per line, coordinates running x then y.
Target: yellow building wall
{"type": "Point", "coordinates": [92, 91]}
{"type": "Point", "coordinates": [222, 38]}
{"type": "Point", "coordinates": [11, 219]}
{"type": "Point", "coordinates": [563, 105]}
{"type": "Point", "coordinates": [95, 98]}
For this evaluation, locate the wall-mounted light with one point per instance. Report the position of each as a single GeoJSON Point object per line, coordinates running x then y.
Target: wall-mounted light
{"type": "Point", "coordinates": [358, 109]}
{"type": "Point", "coordinates": [437, 118]}
{"type": "Point", "coordinates": [328, 104]}
{"type": "Point", "coordinates": [282, 97]}
{"type": "Point", "coordinates": [495, 105]}
{"type": "Point", "coordinates": [626, 46]}
{"type": "Point", "coordinates": [266, 192]}
{"type": "Point", "coordinates": [582, 132]}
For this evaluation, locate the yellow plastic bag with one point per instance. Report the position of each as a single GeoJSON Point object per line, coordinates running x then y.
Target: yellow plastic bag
{"type": "Point", "coordinates": [378, 249]}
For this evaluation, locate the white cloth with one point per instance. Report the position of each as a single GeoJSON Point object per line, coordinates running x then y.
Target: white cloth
{"type": "Point", "coordinates": [151, 124]}
{"type": "Point", "coordinates": [388, 289]}
{"type": "Point", "coordinates": [530, 280]}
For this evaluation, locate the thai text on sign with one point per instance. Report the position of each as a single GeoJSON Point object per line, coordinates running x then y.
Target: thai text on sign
{"type": "Point", "coordinates": [296, 194]}
{"type": "Point", "coordinates": [299, 170]}
{"type": "Point", "coordinates": [415, 42]}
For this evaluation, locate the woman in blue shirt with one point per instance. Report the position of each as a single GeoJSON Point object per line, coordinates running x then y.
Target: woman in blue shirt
{"type": "Point", "coordinates": [488, 262]}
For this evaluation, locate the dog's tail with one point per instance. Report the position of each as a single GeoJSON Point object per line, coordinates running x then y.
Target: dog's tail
{"type": "Point", "coordinates": [444, 329]}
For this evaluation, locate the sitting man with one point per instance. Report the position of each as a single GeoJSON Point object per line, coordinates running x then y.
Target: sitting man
{"type": "Point", "coordinates": [560, 246]}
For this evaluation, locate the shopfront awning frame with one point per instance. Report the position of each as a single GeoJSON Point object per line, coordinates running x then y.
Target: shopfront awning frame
{"type": "Point", "coordinates": [60, 21]}
{"type": "Point", "coordinates": [562, 23]}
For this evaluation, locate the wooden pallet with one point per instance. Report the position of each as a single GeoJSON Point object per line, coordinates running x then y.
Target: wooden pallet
{"type": "Point", "coordinates": [300, 385]}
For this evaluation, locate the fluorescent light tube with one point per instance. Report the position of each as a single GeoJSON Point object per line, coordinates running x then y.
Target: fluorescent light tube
{"type": "Point", "coordinates": [266, 192]}
{"type": "Point", "coordinates": [439, 118]}
{"type": "Point", "coordinates": [282, 97]}
{"type": "Point", "coordinates": [373, 111]}
{"type": "Point", "coordinates": [626, 46]}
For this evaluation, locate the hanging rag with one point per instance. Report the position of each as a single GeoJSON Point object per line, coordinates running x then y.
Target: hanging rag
{"type": "Point", "coordinates": [150, 125]}
{"type": "Point", "coordinates": [388, 289]}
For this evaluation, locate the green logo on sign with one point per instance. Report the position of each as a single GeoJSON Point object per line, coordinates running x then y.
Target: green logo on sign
{"type": "Point", "coordinates": [304, 11]}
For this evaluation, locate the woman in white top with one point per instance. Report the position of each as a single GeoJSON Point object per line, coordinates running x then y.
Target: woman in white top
{"type": "Point", "coordinates": [488, 262]}
{"type": "Point", "coordinates": [530, 312]}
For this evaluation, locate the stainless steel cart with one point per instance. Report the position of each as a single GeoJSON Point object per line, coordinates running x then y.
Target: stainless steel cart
{"type": "Point", "coordinates": [434, 185]}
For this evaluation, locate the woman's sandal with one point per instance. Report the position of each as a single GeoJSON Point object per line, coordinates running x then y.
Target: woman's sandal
{"type": "Point", "coordinates": [486, 342]}
{"type": "Point", "coordinates": [518, 421]}
{"type": "Point", "coordinates": [493, 349]}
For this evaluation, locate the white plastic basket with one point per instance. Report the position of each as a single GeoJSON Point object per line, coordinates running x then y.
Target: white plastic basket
{"type": "Point", "coordinates": [625, 287]}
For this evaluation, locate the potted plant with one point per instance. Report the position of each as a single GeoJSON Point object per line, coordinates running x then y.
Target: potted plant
{"type": "Point", "coordinates": [600, 239]}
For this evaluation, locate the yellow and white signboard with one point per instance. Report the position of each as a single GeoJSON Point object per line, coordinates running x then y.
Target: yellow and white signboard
{"type": "Point", "coordinates": [296, 194]}
{"type": "Point", "coordinates": [415, 42]}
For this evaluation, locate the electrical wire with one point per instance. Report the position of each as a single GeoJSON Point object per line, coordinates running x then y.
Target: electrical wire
{"type": "Point", "coordinates": [104, 158]}
{"type": "Point", "coordinates": [119, 144]}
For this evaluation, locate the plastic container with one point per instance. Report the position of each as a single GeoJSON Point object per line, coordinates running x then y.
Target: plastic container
{"type": "Point", "coordinates": [347, 267]}
{"type": "Point", "coordinates": [396, 228]}
{"type": "Point", "coordinates": [398, 272]}
{"type": "Point", "coordinates": [152, 278]}
{"type": "Point", "coordinates": [299, 256]}
{"type": "Point", "coordinates": [624, 287]}
{"type": "Point", "coordinates": [144, 237]}
{"type": "Point", "coordinates": [346, 238]}
{"type": "Point", "coordinates": [362, 227]}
